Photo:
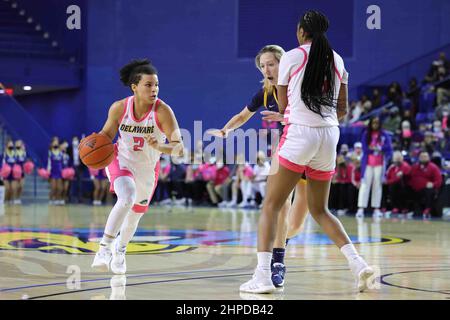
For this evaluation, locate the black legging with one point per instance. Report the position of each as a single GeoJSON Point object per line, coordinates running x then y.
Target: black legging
{"type": "Point", "coordinates": [397, 195]}
{"type": "Point", "coordinates": [424, 197]}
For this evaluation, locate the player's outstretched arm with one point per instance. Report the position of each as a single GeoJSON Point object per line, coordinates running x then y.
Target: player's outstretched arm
{"type": "Point", "coordinates": [111, 125]}
{"type": "Point", "coordinates": [235, 122]}
{"type": "Point", "coordinates": [169, 126]}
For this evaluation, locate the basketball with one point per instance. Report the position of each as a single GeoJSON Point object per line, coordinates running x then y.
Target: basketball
{"type": "Point", "coordinates": [96, 151]}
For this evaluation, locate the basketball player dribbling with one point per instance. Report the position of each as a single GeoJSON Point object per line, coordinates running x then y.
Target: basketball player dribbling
{"type": "Point", "coordinates": [143, 122]}
{"type": "Point", "coordinates": [291, 217]}
{"type": "Point", "coordinates": [312, 94]}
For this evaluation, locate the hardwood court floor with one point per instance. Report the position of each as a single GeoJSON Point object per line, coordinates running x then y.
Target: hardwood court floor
{"type": "Point", "coordinates": [204, 253]}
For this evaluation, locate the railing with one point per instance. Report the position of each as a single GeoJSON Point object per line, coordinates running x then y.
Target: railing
{"type": "Point", "coordinates": [21, 125]}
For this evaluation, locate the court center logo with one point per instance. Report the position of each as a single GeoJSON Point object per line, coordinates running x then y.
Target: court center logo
{"type": "Point", "coordinates": [82, 241]}
{"type": "Point", "coordinates": [85, 241]}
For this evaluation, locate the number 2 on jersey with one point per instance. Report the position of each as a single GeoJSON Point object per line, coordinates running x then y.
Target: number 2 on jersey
{"type": "Point", "coordinates": [138, 143]}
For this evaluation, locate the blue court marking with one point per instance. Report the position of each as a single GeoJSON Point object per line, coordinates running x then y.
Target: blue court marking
{"type": "Point", "coordinates": [196, 237]}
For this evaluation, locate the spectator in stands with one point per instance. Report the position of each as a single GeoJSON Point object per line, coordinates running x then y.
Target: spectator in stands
{"type": "Point", "coordinates": [235, 182]}
{"type": "Point", "coordinates": [344, 150]}
{"type": "Point", "coordinates": [407, 116]}
{"type": "Point", "coordinates": [377, 151]}
{"type": "Point", "coordinates": [9, 159]}
{"type": "Point", "coordinates": [2, 88]}
{"type": "Point", "coordinates": [444, 144]}
{"type": "Point", "coordinates": [21, 156]}
{"type": "Point", "coordinates": [55, 166]}
{"type": "Point", "coordinates": [392, 122]}
{"type": "Point", "coordinates": [218, 186]}
{"type": "Point", "coordinates": [206, 172]}
{"type": "Point", "coordinates": [405, 135]}
{"type": "Point", "coordinates": [66, 164]}
{"type": "Point", "coordinates": [162, 194]}
{"type": "Point", "coordinates": [260, 173]}
{"type": "Point", "coordinates": [419, 135]}
{"type": "Point", "coordinates": [426, 181]}
{"type": "Point", "coordinates": [429, 142]}
{"type": "Point", "coordinates": [74, 158]}
{"type": "Point", "coordinates": [376, 98]}
{"type": "Point", "coordinates": [177, 176]}
{"type": "Point", "coordinates": [246, 176]}
{"type": "Point", "coordinates": [397, 177]}
{"type": "Point", "coordinates": [355, 183]}
{"type": "Point", "coordinates": [395, 94]}
{"type": "Point", "coordinates": [357, 150]}
{"type": "Point", "coordinates": [413, 95]}
{"type": "Point", "coordinates": [189, 180]}
{"type": "Point", "coordinates": [442, 113]}
{"type": "Point", "coordinates": [340, 185]}
{"type": "Point", "coordinates": [439, 69]}
{"type": "Point", "coordinates": [354, 113]}
{"type": "Point", "coordinates": [101, 186]}
{"type": "Point", "coordinates": [365, 105]}
{"type": "Point", "coordinates": [437, 130]}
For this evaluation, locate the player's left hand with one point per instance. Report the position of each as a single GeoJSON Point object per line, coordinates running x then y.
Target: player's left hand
{"type": "Point", "coordinates": [272, 116]}
{"type": "Point", "coordinates": [151, 140]}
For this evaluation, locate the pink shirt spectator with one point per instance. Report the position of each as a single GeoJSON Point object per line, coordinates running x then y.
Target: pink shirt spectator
{"type": "Point", "coordinates": [375, 159]}
{"type": "Point", "coordinates": [222, 175]}
{"type": "Point", "coordinates": [207, 171]}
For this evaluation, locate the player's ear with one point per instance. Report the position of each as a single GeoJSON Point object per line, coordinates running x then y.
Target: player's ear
{"type": "Point", "coordinates": [133, 87]}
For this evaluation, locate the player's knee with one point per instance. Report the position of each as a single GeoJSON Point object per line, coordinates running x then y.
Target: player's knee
{"type": "Point", "coordinates": [271, 206]}
{"type": "Point", "coordinates": [126, 201]}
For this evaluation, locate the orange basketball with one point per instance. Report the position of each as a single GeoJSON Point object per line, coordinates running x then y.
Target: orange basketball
{"type": "Point", "coordinates": [96, 151]}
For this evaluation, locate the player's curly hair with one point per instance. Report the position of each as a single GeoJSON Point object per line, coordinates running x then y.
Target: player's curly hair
{"type": "Point", "coordinates": [131, 73]}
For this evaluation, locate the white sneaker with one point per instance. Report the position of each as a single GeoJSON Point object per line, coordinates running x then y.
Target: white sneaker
{"type": "Point", "coordinates": [362, 272]}
{"type": "Point", "coordinates": [222, 204]}
{"type": "Point", "coordinates": [261, 282]}
{"type": "Point", "coordinates": [118, 286]}
{"type": "Point", "coordinates": [231, 204]}
{"type": "Point", "coordinates": [17, 201]}
{"type": "Point", "coordinates": [102, 259]}
{"type": "Point", "coordinates": [118, 262]}
{"type": "Point", "coordinates": [360, 213]}
{"type": "Point", "coordinates": [377, 214]}
{"type": "Point", "coordinates": [341, 212]}
{"type": "Point", "coordinates": [243, 204]}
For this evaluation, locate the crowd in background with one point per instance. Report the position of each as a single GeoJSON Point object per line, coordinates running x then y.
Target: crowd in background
{"type": "Point", "coordinates": [399, 165]}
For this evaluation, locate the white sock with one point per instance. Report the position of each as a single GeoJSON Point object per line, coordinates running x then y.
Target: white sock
{"type": "Point", "coordinates": [349, 252]}
{"type": "Point", "coordinates": [128, 229]}
{"type": "Point", "coordinates": [125, 189]}
{"type": "Point", "coordinates": [106, 242]}
{"type": "Point", "coordinates": [264, 259]}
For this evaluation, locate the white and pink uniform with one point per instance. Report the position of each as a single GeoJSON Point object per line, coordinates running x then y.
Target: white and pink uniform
{"type": "Point", "coordinates": [309, 141]}
{"type": "Point", "coordinates": [134, 157]}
